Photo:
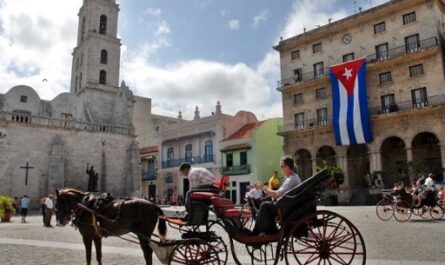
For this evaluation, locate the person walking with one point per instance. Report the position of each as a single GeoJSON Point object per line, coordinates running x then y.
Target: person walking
{"type": "Point", "coordinates": [49, 206]}
{"type": "Point", "coordinates": [24, 205]}
{"type": "Point", "coordinates": [43, 209]}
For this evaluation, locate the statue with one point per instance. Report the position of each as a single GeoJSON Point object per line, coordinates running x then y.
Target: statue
{"type": "Point", "coordinates": [93, 177]}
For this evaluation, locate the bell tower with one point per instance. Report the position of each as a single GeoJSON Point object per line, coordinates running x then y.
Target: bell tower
{"type": "Point", "coordinates": [96, 59]}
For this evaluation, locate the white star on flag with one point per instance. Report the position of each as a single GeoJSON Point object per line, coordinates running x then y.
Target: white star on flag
{"type": "Point", "coordinates": [347, 73]}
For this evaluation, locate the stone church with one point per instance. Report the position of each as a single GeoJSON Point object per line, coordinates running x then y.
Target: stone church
{"type": "Point", "coordinates": [46, 145]}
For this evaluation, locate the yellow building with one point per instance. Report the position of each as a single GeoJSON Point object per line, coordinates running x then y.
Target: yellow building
{"type": "Point", "coordinates": [402, 42]}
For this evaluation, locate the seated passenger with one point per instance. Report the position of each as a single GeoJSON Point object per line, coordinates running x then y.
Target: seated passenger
{"type": "Point", "coordinates": [265, 223]}
{"type": "Point", "coordinates": [255, 195]}
{"type": "Point", "coordinates": [441, 195]}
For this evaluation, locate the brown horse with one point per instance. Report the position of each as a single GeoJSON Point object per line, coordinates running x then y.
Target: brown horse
{"type": "Point", "coordinates": [117, 218]}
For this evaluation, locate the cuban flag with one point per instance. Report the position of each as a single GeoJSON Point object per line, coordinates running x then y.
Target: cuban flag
{"type": "Point", "coordinates": [350, 103]}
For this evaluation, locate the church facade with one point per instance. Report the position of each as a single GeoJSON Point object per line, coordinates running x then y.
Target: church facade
{"type": "Point", "coordinates": [45, 145]}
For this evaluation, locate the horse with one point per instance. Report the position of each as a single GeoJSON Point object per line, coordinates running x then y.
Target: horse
{"type": "Point", "coordinates": [116, 218]}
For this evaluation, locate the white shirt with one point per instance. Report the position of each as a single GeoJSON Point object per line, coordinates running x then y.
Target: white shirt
{"type": "Point", "coordinates": [49, 203]}
{"type": "Point", "coordinates": [255, 193]}
{"type": "Point", "coordinates": [200, 176]}
{"type": "Point", "coordinates": [288, 184]}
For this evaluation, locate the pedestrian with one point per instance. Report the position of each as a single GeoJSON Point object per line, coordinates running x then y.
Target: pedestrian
{"type": "Point", "coordinates": [49, 206]}
{"type": "Point", "coordinates": [43, 209]}
{"type": "Point", "coordinates": [24, 205]}
{"type": "Point", "coordinates": [17, 205]}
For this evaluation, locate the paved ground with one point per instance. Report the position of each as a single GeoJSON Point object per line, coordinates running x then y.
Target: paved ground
{"type": "Point", "coordinates": [415, 242]}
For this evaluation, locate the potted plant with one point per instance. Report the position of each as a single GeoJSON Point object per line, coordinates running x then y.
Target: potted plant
{"type": "Point", "coordinates": [7, 208]}
{"type": "Point", "coordinates": [331, 196]}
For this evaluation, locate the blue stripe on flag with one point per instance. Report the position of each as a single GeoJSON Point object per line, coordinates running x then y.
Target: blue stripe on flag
{"type": "Point", "coordinates": [367, 132]}
{"type": "Point", "coordinates": [350, 120]}
{"type": "Point", "coordinates": [335, 107]}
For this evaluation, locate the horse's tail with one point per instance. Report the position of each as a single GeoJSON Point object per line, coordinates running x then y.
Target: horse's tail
{"type": "Point", "coordinates": [162, 226]}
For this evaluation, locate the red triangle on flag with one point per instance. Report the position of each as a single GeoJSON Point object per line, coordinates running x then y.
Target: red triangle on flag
{"type": "Point", "coordinates": [347, 73]}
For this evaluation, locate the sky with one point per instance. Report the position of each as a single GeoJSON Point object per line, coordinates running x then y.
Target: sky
{"type": "Point", "coordinates": [179, 53]}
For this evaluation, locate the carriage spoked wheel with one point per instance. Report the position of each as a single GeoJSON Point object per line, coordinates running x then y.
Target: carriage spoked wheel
{"type": "Point", "coordinates": [436, 212]}
{"type": "Point", "coordinates": [402, 211]}
{"type": "Point", "coordinates": [194, 253]}
{"type": "Point", "coordinates": [325, 238]}
{"type": "Point", "coordinates": [425, 212]}
{"type": "Point", "coordinates": [384, 210]}
{"type": "Point", "coordinates": [218, 244]}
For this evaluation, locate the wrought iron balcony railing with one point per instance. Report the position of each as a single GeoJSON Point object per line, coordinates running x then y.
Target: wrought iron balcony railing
{"type": "Point", "coordinates": [148, 175]}
{"type": "Point", "coordinates": [237, 170]}
{"type": "Point", "coordinates": [192, 160]}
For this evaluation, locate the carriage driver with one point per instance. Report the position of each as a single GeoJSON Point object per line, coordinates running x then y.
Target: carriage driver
{"type": "Point", "coordinates": [266, 216]}
{"type": "Point", "coordinates": [199, 179]}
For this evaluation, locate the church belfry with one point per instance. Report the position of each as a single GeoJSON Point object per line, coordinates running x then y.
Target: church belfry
{"type": "Point", "coordinates": [96, 59]}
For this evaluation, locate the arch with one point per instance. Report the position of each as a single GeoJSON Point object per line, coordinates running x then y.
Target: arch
{"type": "Point", "coordinates": [103, 77]}
{"type": "Point", "coordinates": [304, 163]}
{"type": "Point", "coordinates": [103, 25]}
{"type": "Point", "coordinates": [208, 151]}
{"type": "Point", "coordinates": [189, 153]}
{"type": "Point", "coordinates": [427, 155]}
{"type": "Point", "coordinates": [358, 165]}
{"type": "Point", "coordinates": [394, 160]}
{"type": "Point", "coordinates": [104, 56]}
{"type": "Point", "coordinates": [326, 153]}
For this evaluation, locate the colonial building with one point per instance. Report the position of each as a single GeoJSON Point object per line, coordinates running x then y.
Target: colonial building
{"type": "Point", "coordinates": [402, 42]}
{"type": "Point", "coordinates": [252, 153]}
{"type": "Point", "coordinates": [48, 144]}
{"type": "Point", "coordinates": [197, 142]}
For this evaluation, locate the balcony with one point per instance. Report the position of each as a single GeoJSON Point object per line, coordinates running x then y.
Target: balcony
{"type": "Point", "coordinates": [236, 170]}
{"type": "Point", "coordinates": [193, 160]}
{"type": "Point", "coordinates": [431, 101]}
{"type": "Point", "coordinates": [373, 58]}
{"type": "Point", "coordinates": [148, 175]}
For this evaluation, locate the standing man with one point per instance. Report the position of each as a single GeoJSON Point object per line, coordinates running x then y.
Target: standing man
{"type": "Point", "coordinates": [274, 181]}
{"type": "Point", "coordinates": [49, 206]}
{"type": "Point", "coordinates": [24, 205]}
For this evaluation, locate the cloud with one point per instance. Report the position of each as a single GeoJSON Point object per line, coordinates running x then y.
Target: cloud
{"type": "Point", "coordinates": [261, 17]}
{"type": "Point", "coordinates": [153, 12]}
{"type": "Point", "coordinates": [36, 43]}
{"type": "Point", "coordinates": [234, 24]}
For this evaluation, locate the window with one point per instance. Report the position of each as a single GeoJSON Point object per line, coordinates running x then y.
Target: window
{"type": "Point", "coordinates": [322, 116]}
{"type": "Point", "coordinates": [298, 99]}
{"type": "Point", "coordinates": [75, 84]}
{"type": "Point", "coordinates": [229, 160]}
{"type": "Point", "coordinates": [348, 57]}
{"type": "Point", "coordinates": [385, 78]}
{"type": "Point", "coordinates": [23, 99]}
{"type": "Point", "coordinates": [81, 59]}
{"type": "Point", "coordinates": [208, 151]}
{"type": "Point", "coordinates": [168, 179]}
{"type": "Point", "coordinates": [297, 75]}
{"type": "Point", "coordinates": [419, 97]}
{"type": "Point", "coordinates": [320, 93]}
{"type": "Point", "coordinates": [388, 103]}
{"type": "Point", "coordinates": [188, 153]}
{"type": "Point", "coordinates": [318, 69]}
{"type": "Point", "coordinates": [379, 27]}
{"type": "Point", "coordinates": [243, 158]}
{"type": "Point", "coordinates": [103, 77]}
{"type": "Point", "coordinates": [409, 18]}
{"type": "Point", "coordinates": [103, 57]}
{"type": "Point", "coordinates": [77, 63]}
{"type": "Point", "coordinates": [416, 70]}
{"type": "Point", "coordinates": [295, 55]}
{"type": "Point", "coordinates": [170, 156]}
{"type": "Point", "coordinates": [103, 25]}
{"type": "Point", "coordinates": [382, 51]}
{"type": "Point", "coordinates": [316, 47]}
{"type": "Point", "coordinates": [412, 43]}
{"type": "Point", "coordinates": [299, 120]}
{"type": "Point", "coordinates": [83, 29]}
{"type": "Point", "coordinates": [80, 81]}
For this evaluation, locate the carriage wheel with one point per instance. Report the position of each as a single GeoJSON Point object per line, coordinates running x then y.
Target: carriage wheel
{"type": "Point", "coordinates": [384, 210]}
{"type": "Point", "coordinates": [218, 244]}
{"type": "Point", "coordinates": [425, 212]}
{"type": "Point", "coordinates": [194, 253]}
{"type": "Point", "coordinates": [325, 238]}
{"type": "Point", "coordinates": [436, 212]}
{"type": "Point", "coordinates": [402, 211]}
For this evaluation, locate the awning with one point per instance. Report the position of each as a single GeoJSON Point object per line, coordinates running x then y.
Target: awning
{"type": "Point", "coordinates": [236, 147]}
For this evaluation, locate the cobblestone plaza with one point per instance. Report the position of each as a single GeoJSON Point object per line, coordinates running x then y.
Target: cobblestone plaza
{"type": "Point", "coordinates": [415, 242]}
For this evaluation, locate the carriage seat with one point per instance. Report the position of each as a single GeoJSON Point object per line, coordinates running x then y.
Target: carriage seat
{"type": "Point", "coordinates": [225, 208]}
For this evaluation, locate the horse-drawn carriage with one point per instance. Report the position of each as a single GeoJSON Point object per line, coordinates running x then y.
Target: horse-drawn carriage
{"type": "Point", "coordinates": [401, 205]}
{"type": "Point", "coordinates": [305, 235]}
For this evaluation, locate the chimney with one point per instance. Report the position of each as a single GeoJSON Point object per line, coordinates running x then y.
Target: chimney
{"type": "Point", "coordinates": [196, 113]}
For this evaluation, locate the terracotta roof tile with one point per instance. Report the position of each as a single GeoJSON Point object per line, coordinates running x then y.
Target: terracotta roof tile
{"type": "Point", "coordinates": [149, 149]}
{"type": "Point", "coordinates": [245, 131]}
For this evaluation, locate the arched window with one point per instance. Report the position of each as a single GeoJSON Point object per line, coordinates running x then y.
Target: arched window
{"type": "Point", "coordinates": [103, 77]}
{"type": "Point", "coordinates": [103, 56]}
{"type": "Point", "coordinates": [208, 151]}
{"type": "Point", "coordinates": [103, 25]}
{"type": "Point", "coordinates": [188, 153]}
